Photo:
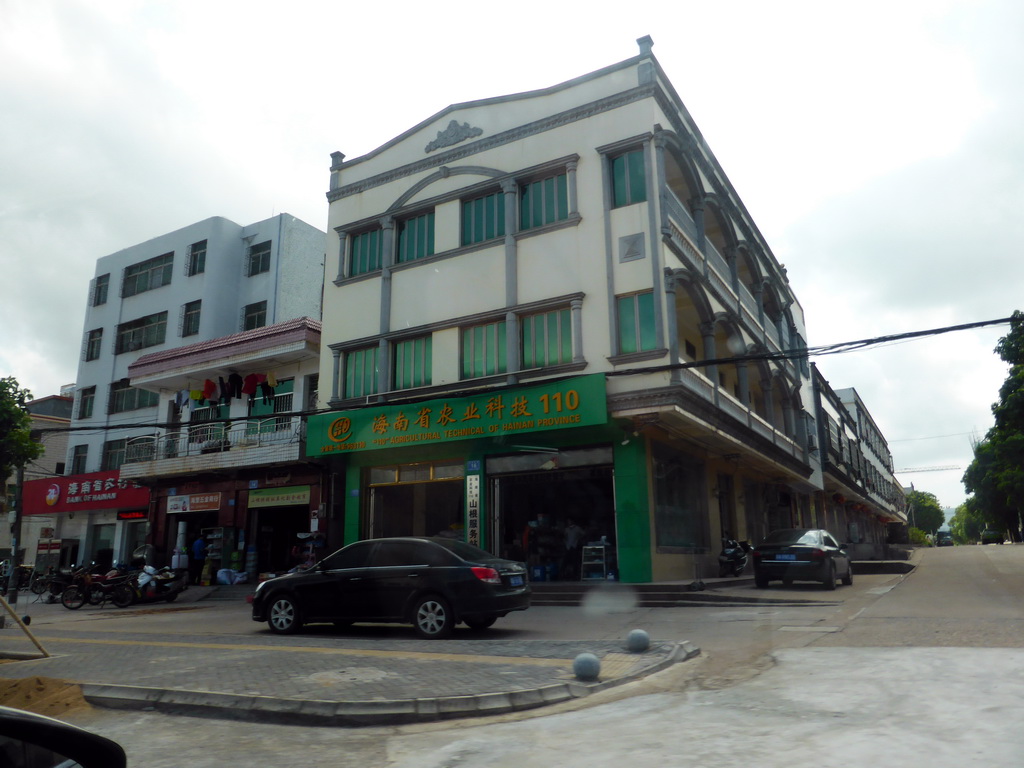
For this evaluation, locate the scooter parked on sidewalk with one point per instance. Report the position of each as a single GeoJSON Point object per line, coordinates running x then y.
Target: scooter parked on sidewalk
{"type": "Point", "coordinates": [733, 557]}
{"type": "Point", "coordinates": [150, 584]}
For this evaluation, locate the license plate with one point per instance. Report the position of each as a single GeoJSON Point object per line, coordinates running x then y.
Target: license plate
{"type": "Point", "coordinates": [515, 581]}
{"type": "Point", "coordinates": [785, 557]}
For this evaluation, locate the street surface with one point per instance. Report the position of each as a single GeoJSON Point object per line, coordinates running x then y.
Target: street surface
{"type": "Point", "coordinates": [894, 671]}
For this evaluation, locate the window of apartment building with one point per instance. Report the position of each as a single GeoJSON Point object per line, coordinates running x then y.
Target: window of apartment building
{"type": "Point", "coordinates": [190, 318]}
{"type": "Point", "coordinates": [254, 316]}
{"type": "Point", "coordinates": [196, 263]}
{"type": "Point", "coordinates": [412, 363]}
{"type": "Point", "coordinates": [100, 289]}
{"type": "Point", "coordinates": [113, 454]}
{"type": "Point", "coordinates": [416, 237]}
{"type": "Point", "coordinates": [547, 338]}
{"type": "Point", "coordinates": [483, 350]}
{"type": "Point", "coordinates": [636, 322]}
{"type": "Point", "coordinates": [361, 372]}
{"type": "Point", "coordinates": [86, 401]}
{"type": "Point", "coordinates": [543, 202]}
{"type": "Point", "coordinates": [365, 253]}
{"type": "Point", "coordinates": [138, 334]}
{"type": "Point", "coordinates": [79, 456]}
{"type": "Point", "coordinates": [259, 259]}
{"type": "Point", "coordinates": [629, 179]}
{"type": "Point", "coordinates": [147, 275]}
{"type": "Point", "coordinates": [124, 397]}
{"type": "Point", "coordinates": [93, 342]}
{"type": "Point", "coordinates": [483, 218]}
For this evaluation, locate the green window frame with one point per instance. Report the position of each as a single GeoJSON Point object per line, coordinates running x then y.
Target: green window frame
{"type": "Point", "coordinates": [637, 332]}
{"type": "Point", "coordinates": [190, 314]}
{"type": "Point", "coordinates": [148, 275]}
{"type": "Point", "coordinates": [259, 258]}
{"type": "Point", "coordinates": [412, 364]}
{"type": "Point", "coordinates": [416, 238]}
{"type": "Point", "coordinates": [196, 259]}
{"type": "Point", "coordinates": [483, 218]}
{"type": "Point", "coordinates": [113, 454]}
{"type": "Point", "coordinates": [365, 253]}
{"type": "Point", "coordinates": [544, 202]}
{"type": "Point", "coordinates": [629, 179]}
{"type": "Point", "coordinates": [361, 372]}
{"type": "Point", "coordinates": [254, 316]}
{"type": "Point", "coordinates": [79, 459]}
{"type": "Point", "coordinates": [86, 402]}
{"type": "Point", "coordinates": [484, 350]}
{"type": "Point", "coordinates": [138, 334]}
{"type": "Point", "coordinates": [124, 397]}
{"type": "Point", "coordinates": [100, 290]}
{"type": "Point", "coordinates": [547, 338]}
{"type": "Point", "coordinates": [93, 344]}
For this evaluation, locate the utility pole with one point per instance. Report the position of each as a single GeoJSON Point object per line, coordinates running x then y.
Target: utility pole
{"type": "Point", "coordinates": [12, 581]}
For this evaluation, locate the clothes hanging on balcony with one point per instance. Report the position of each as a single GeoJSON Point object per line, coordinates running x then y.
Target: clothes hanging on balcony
{"type": "Point", "coordinates": [268, 393]}
{"type": "Point", "coordinates": [249, 385]}
{"type": "Point", "coordinates": [235, 385]}
{"type": "Point", "coordinates": [209, 389]}
{"type": "Point", "coordinates": [272, 379]}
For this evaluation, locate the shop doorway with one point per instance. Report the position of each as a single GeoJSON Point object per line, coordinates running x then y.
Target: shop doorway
{"type": "Point", "coordinates": [548, 518]}
{"type": "Point", "coordinates": [278, 545]}
{"type": "Point", "coordinates": [422, 499]}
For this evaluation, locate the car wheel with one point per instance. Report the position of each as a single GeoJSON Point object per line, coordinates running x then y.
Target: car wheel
{"type": "Point", "coordinates": [284, 616]}
{"type": "Point", "coordinates": [848, 578]}
{"type": "Point", "coordinates": [480, 622]}
{"type": "Point", "coordinates": [72, 598]}
{"type": "Point", "coordinates": [123, 595]}
{"type": "Point", "coordinates": [761, 582]}
{"type": "Point", "coordinates": [433, 618]}
{"type": "Point", "coordinates": [829, 582]}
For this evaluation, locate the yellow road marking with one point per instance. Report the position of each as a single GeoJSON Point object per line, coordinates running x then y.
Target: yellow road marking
{"type": "Point", "coordinates": [417, 655]}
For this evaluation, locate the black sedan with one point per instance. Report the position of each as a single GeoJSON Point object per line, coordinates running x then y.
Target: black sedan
{"type": "Point", "coordinates": [431, 583]}
{"type": "Point", "coordinates": [801, 554]}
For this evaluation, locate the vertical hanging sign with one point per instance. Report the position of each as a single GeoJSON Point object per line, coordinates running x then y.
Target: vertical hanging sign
{"type": "Point", "coordinates": [473, 509]}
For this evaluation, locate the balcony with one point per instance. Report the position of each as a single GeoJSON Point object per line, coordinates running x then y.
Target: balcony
{"type": "Point", "coordinates": [212, 446]}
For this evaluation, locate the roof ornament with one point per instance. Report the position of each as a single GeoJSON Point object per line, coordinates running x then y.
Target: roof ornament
{"type": "Point", "coordinates": [453, 134]}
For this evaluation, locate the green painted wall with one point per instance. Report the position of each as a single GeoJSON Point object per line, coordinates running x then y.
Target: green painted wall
{"type": "Point", "coordinates": [632, 510]}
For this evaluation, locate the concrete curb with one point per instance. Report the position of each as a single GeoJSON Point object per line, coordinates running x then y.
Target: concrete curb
{"type": "Point", "coordinates": [314, 712]}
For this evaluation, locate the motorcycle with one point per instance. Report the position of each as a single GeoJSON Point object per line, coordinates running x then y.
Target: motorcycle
{"type": "Point", "coordinates": [151, 585]}
{"type": "Point", "coordinates": [733, 557]}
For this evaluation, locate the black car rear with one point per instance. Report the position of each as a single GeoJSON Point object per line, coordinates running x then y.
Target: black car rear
{"type": "Point", "coordinates": [431, 583]}
{"type": "Point", "coordinates": [801, 554]}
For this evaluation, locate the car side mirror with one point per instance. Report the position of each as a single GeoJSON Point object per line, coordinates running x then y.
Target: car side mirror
{"type": "Point", "coordinates": [43, 742]}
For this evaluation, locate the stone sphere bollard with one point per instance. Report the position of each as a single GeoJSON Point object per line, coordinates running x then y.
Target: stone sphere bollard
{"type": "Point", "coordinates": [638, 641]}
{"type": "Point", "coordinates": [586, 666]}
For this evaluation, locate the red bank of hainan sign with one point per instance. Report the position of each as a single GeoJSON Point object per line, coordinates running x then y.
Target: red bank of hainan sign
{"type": "Point", "coordinates": [96, 490]}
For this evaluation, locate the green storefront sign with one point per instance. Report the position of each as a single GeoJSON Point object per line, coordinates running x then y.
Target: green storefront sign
{"type": "Point", "coordinates": [575, 402]}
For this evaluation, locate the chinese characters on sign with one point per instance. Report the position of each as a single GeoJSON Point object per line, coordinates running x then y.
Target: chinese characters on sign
{"type": "Point", "coordinates": [473, 509]}
{"type": "Point", "coordinates": [573, 402]}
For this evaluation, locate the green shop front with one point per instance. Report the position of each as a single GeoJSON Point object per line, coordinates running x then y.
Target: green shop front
{"type": "Point", "coordinates": [536, 473]}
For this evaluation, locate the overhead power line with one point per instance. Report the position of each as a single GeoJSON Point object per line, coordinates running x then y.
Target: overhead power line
{"type": "Point", "coordinates": [926, 469]}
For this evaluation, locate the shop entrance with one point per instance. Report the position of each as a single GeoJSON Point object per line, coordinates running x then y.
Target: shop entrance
{"type": "Point", "coordinates": [278, 546]}
{"type": "Point", "coordinates": [423, 499]}
{"type": "Point", "coordinates": [560, 522]}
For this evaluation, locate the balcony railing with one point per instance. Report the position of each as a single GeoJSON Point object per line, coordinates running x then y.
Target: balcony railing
{"type": "Point", "coordinates": [215, 437]}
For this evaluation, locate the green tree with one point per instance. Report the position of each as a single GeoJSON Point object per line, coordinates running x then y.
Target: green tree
{"type": "Point", "coordinates": [924, 511]}
{"type": "Point", "coordinates": [967, 523]}
{"type": "Point", "coordinates": [17, 447]}
{"type": "Point", "coordinates": [995, 476]}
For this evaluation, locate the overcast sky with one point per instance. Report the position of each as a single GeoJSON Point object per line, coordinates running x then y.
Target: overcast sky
{"type": "Point", "coordinates": [877, 146]}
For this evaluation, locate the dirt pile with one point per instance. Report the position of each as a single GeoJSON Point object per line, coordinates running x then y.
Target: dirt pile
{"type": "Point", "coordinates": [42, 695]}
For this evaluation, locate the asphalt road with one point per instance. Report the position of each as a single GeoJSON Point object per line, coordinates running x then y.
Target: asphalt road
{"type": "Point", "coordinates": [891, 670]}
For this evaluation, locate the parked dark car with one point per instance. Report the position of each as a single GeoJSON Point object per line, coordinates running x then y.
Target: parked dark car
{"type": "Point", "coordinates": [943, 539]}
{"type": "Point", "coordinates": [988, 536]}
{"type": "Point", "coordinates": [431, 583]}
{"type": "Point", "coordinates": [801, 554]}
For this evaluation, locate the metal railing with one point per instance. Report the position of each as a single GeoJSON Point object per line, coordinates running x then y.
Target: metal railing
{"type": "Point", "coordinates": [215, 437]}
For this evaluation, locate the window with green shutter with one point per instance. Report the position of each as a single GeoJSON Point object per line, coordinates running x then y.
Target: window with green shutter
{"type": "Point", "coordinates": [412, 363]}
{"type": "Point", "coordinates": [483, 350]}
{"type": "Point", "coordinates": [483, 218]}
{"type": "Point", "coordinates": [416, 238]}
{"type": "Point", "coordinates": [636, 323]}
{"type": "Point", "coordinates": [547, 338]}
{"type": "Point", "coordinates": [544, 202]}
{"type": "Point", "coordinates": [361, 372]}
{"type": "Point", "coordinates": [365, 254]}
{"type": "Point", "coordinates": [629, 179]}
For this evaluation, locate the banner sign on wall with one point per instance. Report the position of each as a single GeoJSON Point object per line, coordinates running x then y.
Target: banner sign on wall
{"type": "Point", "coordinates": [74, 493]}
{"type": "Point", "coordinates": [193, 502]}
{"type": "Point", "coordinates": [575, 402]}
{"type": "Point", "coordinates": [279, 497]}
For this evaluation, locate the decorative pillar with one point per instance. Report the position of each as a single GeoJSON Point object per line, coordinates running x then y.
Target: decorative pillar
{"type": "Point", "coordinates": [676, 375]}
{"type": "Point", "coordinates": [576, 308]}
{"type": "Point", "coordinates": [338, 373]}
{"type": "Point", "coordinates": [707, 331]}
{"type": "Point", "coordinates": [743, 378]}
{"type": "Point", "coordinates": [509, 189]}
{"type": "Point", "coordinates": [570, 172]}
{"type": "Point", "coordinates": [342, 265]}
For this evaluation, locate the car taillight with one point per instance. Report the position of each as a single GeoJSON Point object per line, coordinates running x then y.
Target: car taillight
{"type": "Point", "coordinates": [486, 575]}
{"type": "Point", "coordinates": [817, 554]}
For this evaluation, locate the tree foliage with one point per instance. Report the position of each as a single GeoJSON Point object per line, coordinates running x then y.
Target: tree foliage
{"type": "Point", "coordinates": [924, 511]}
{"type": "Point", "coordinates": [17, 447]}
{"type": "Point", "coordinates": [967, 523]}
{"type": "Point", "coordinates": [995, 476]}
